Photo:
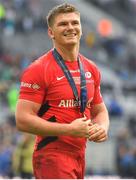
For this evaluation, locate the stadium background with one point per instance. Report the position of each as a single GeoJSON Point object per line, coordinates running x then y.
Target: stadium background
{"type": "Point", "coordinates": [109, 39]}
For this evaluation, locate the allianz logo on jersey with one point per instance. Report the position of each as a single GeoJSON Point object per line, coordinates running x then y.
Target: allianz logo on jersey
{"type": "Point", "coordinates": [68, 103]}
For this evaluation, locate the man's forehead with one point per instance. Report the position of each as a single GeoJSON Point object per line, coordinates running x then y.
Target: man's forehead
{"type": "Point", "coordinates": [67, 16]}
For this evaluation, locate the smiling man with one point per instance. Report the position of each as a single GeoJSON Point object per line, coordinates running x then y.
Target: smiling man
{"type": "Point", "coordinates": [60, 101]}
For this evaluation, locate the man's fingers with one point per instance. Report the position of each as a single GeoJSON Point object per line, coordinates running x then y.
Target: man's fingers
{"type": "Point", "coordinates": [98, 137]}
{"type": "Point", "coordinates": [96, 133]}
{"type": "Point", "coordinates": [102, 139]}
{"type": "Point", "coordinates": [93, 129]}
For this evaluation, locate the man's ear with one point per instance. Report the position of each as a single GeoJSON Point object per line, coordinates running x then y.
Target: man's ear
{"type": "Point", "coordinates": [50, 33]}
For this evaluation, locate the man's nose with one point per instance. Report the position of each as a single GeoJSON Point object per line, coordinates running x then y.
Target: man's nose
{"type": "Point", "coordinates": [70, 26]}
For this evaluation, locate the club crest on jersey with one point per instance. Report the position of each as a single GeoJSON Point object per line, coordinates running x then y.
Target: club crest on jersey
{"type": "Point", "coordinates": [88, 75]}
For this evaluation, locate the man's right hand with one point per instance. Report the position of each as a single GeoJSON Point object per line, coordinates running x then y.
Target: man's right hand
{"type": "Point", "coordinates": [80, 127]}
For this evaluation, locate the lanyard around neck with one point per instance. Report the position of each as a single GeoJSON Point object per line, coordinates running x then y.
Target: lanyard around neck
{"type": "Point", "coordinates": [83, 91]}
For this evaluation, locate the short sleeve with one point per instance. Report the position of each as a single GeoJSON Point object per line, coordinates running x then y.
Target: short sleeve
{"type": "Point", "coordinates": [32, 85]}
{"type": "Point", "coordinates": [97, 91]}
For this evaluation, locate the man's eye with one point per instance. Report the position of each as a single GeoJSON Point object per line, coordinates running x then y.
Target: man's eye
{"type": "Point", "coordinates": [75, 22]}
{"type": "Point", "coordinates": [63, 24]}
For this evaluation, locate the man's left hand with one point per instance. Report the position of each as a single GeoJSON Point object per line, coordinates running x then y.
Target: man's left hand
{"type": "Point", "coordinates": [97, 133]}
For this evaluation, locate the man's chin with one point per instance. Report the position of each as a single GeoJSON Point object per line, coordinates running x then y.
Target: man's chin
{"type": "Point", "coordinates": [71, 43]}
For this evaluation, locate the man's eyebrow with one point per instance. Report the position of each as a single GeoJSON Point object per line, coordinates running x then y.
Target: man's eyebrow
{"type": "Point", "coordinates": [77, 21]}
{"type": "Point", "coordinates": [62, 22]}
{"type": "Point", "coordinates": [65, 21]}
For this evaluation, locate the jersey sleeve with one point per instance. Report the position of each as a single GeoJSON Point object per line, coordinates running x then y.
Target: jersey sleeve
{"type": "Point", "coordinates": [32, 85]}
{"type": "Point", "coordinates": [97, 92]}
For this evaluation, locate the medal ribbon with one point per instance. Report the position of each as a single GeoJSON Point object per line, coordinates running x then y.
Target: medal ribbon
{"type": "Point", "coordinates": [83, 90]}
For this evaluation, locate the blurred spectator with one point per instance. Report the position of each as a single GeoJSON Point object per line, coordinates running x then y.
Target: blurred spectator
{"type": "Point", "coordinates": [22, 157]}
{"type": "Point", "coordinates": [114, 46]}
{"type": "Point", "coordinates": [12, 97]}
{"type": "Point", "coordinates": [90, 39]}
{"type": "Point", "coordinates": [115, 109]}
{"type": "Point", "coordinates": [128, 164]}
{"type": "Point", "coordinates": [132, 63]}
{"type": "Point", "coordinates": [2, 16]}
{"type": "Point", "coordinates": [24, 62]}
{"type": "Point", "coordinates": [121, 148]}
{"type": "Point", "coordinates": [132, 126]}
{"type": "Point", "coordinates": [105, 27]}
{"type": "Point", "coordinates": [125, 155]}
{"type": "Point", "coordinates": [28, 24]}
{"type": "Point", "coordinates": [6, 161]}
{"type": "Point", "coordinates": [10, 21]}
{"type": "Point", "coordinates": [7, 144]}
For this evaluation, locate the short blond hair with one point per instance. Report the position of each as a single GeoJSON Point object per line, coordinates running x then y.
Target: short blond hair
{"type": "Point", "coordinates": [62, 8]}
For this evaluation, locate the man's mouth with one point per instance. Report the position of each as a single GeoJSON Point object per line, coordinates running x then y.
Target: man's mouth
{"type": "Point", "coordinates": [70, 34]}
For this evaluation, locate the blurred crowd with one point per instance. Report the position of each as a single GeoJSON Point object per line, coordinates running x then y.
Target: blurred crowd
{"type": "Point", "coordinates": [17, 16]}
{"type": "Point", "coordinates": [126, 150]}
{"type": "Point", "coordinates": [25, 16]}
{"type": "Point", "coordinates": [15, 152]}
{"type": "Point", "coordinates": [20, 16]}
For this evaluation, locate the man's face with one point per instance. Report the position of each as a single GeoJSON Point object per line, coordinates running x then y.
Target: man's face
{"type": "Point", "coordinates": [66, 29]}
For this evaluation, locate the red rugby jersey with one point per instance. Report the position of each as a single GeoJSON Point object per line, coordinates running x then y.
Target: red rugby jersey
{"type": "Point", "coordinates": [44, 82]}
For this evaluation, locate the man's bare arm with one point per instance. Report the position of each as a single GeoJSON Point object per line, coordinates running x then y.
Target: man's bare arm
{"type": "Point", "coordinates": [100, 120]}
{"type": "Point", "coordinates": [28, 121]}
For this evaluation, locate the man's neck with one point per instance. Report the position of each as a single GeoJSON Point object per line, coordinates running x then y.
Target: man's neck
{"type": "Point", "coordinates": [68, 53]}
